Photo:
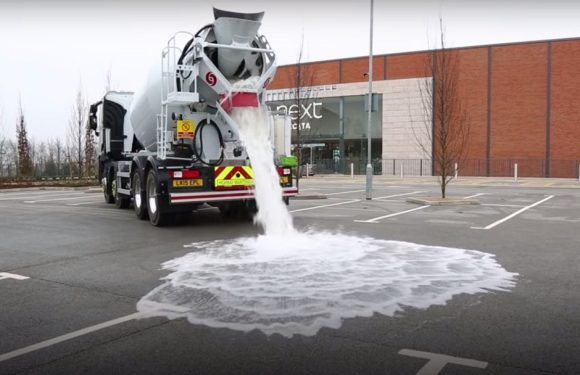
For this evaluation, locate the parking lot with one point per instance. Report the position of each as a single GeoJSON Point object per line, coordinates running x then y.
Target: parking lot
{"type": "Point", "coordinates": [72, 269]}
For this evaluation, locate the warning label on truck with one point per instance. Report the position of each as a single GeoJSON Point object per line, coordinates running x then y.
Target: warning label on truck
{"type": "Point", "coordinates": [185, 129]}
{"type": "Point", "coordinates": [233, 177]}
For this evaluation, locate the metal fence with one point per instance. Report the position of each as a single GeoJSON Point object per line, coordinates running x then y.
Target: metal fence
{"type": "Point", "coordinates": [472, 167]}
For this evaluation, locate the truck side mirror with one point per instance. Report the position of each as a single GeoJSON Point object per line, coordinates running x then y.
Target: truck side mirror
{"type": "Point", "coordinates": [93, 123]}
{"type": "Point", "coordinates": [93, 116]}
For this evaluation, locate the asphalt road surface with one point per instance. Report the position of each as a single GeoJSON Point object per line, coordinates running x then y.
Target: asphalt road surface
{"type": "Point", "coordinates": [72, 269]}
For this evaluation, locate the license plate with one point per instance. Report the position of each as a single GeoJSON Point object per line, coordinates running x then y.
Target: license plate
{"type": "Point", "coordinates": [187, 183]}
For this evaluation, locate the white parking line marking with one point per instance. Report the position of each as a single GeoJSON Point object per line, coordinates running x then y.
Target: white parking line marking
{"type": "Point", "coordinates": [398, 195]}
{"type": "Point", "coordinates": [83, 203]}
{"type": "Point", "coordinates": [376, 219]}
{"type": "Point", "coordinates": [32, 190]}
{"type": "Point", "coordinates": [68, 336]}
{"type": "Point", "coordinates": [13, 197]}
{"type": "Point", "coordinates": [501, 205]}
{"type": "Point", "coordinates": [56, 199]}
{"type": "Point", "coordinates": [438, 361]}
{"type": "Point", "coordinates": [476, 195]}
{"type": "Point", "coordinates": [345, 192]}
{"type": "Point", "coordinates": [326, 205]}
{"type": "Point", "coordinates": [493, 225]}
{"type": "Point", "coordinates": [6, 275]}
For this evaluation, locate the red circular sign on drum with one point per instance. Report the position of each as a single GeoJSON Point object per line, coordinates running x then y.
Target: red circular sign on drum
{"type": "Point", "coordinates": [211, 79]}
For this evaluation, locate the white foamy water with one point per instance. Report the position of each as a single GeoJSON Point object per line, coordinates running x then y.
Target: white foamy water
{"type": "Point", "coordinates": [254, 132]}
{"type": "Point", "coordinates": [301, 283]}
{"type": "Point", "coordinates": [292, 283]}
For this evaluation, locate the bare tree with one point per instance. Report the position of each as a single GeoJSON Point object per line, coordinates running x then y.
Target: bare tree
{"type": "Point", "coordinates": [59, 153]}
{"type": "Point", "coordinates": [447, 123]}
{"type": "Point", "coordinates": [11, 158]}
{"type": "Point", "coordinates": [76, 134]}
{"type": "Point", "coordinates": [32, 151]}
{"type": "Point", "coordinates": [90, 151]}
{"type": "Point", "coordinates": [50, 168]}
{"type": "Point", "coordinates": [3, 144]}
{"type": "Point", "coordinates": [40, 158]}
{"type": "Point", "coordinates": [302, 80]}
{"type": "Point", "coordinates": [24, 167]}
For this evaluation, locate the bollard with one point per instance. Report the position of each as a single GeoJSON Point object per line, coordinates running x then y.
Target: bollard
{"type": "Point", "coordinates": [351, 170]}
{"type": "Point", "coordinates": [516, 172]}
{"type": "Point", "coordinates": [307, 169]}
{"type": "Point", "coordinates": [402, 173]}
{"type": "Point", "coordinates": [456, 171]}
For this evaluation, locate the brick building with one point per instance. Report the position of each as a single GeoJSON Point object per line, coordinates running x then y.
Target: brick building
{"type": "Point", "coordinates": [523, 101]}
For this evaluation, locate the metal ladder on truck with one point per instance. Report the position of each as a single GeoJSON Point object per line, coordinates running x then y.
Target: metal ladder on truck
{"type": "Point", "coordinates": [171, 92]}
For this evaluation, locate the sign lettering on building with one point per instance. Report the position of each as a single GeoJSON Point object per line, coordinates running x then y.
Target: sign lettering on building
{"type": "Point", "coordinates": [302, 118]}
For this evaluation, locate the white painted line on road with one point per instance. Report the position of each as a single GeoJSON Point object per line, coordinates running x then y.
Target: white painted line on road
{"type": "Point", "coordinates": [493, 225]}
{"type": "Point", "coordinates": [476, 195]}
{"type": "Point", "coordinates": [26, 191]}
{"type": "Point", "coordinates": [6, 275]}
{"type": "Point", "coordinates": [68, 336]}
{"type": "Point", "coordinates": [398, 195]}
{"type": "Point", "coordinates": [33, 192]}
{"type": "Point", "coordinates": [438, 361]}
{"type": "Point", "coordinates": [56, 199]}
{"type": "Point", "coordinates": [376, 219]}
{"type": "Point", "coordinates": [325, 205]}
{"type": "Point", "coordinates": [345, 192]}
{"type": "Point", "coordinates": [83, 203]}
{"type": "Point", "coordinates": [501, 205]}
{"type": "Point", "coordinates": [33, 196]}
{"type": "Point", "coordinates": [64, 209]}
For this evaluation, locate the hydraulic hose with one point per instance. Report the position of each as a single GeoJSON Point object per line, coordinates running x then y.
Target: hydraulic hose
{"type": "Point", "coordinates": [199, 132]}
{"type": "Point", "coordinates": [186, 50]}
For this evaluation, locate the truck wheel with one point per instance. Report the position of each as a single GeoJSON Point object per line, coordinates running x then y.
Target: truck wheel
{"type": "Point", "coordinates": [251, 209]}
{"type": "Point", "coordinates": [238, 210]}
{"type": "Point", "coordinates": [120, 200]}
{"type": "Point", "coordinates": [108, 187]}
{"type": "Point", "coordinates": [140, 203]}
{"type": "Point", "coordinates": [226, 210]}
{"type": "Point", "coordinates": [156, 216]}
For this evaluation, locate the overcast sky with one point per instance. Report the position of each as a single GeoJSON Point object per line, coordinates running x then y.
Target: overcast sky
{"type": "Point", "coordinates": [50, 48]}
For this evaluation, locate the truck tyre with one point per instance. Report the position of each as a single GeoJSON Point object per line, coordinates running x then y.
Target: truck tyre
{"type": "Point", "coordinates": [120, 200]}
{"type": "Point", "coordinates": [139, 201]}
{"type": "Point", "coordinates": [157, 217]}
{"type": "Point", "coordinates": [226, 210]}
{"type": "Point", "coordinates": [108, 186]}
{"type": "Point", "coordinates": [238, 210]}
{"type": "Point", "coordinates": [251, 209]}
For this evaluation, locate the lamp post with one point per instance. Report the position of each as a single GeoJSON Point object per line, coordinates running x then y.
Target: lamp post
{"type": "Point", "coordinates": [369, 187]}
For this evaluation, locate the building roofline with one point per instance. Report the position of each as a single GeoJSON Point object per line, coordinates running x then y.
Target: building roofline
{"type": "Point", "coordinates": [431, 50]}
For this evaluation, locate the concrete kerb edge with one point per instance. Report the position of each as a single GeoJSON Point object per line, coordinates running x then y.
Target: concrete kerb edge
{"type": "Point", "coordinates": [305, 196]}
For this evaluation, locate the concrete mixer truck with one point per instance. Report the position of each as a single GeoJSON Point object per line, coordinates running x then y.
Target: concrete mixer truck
{"type": "Point", "coordinates": [173, 146]}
